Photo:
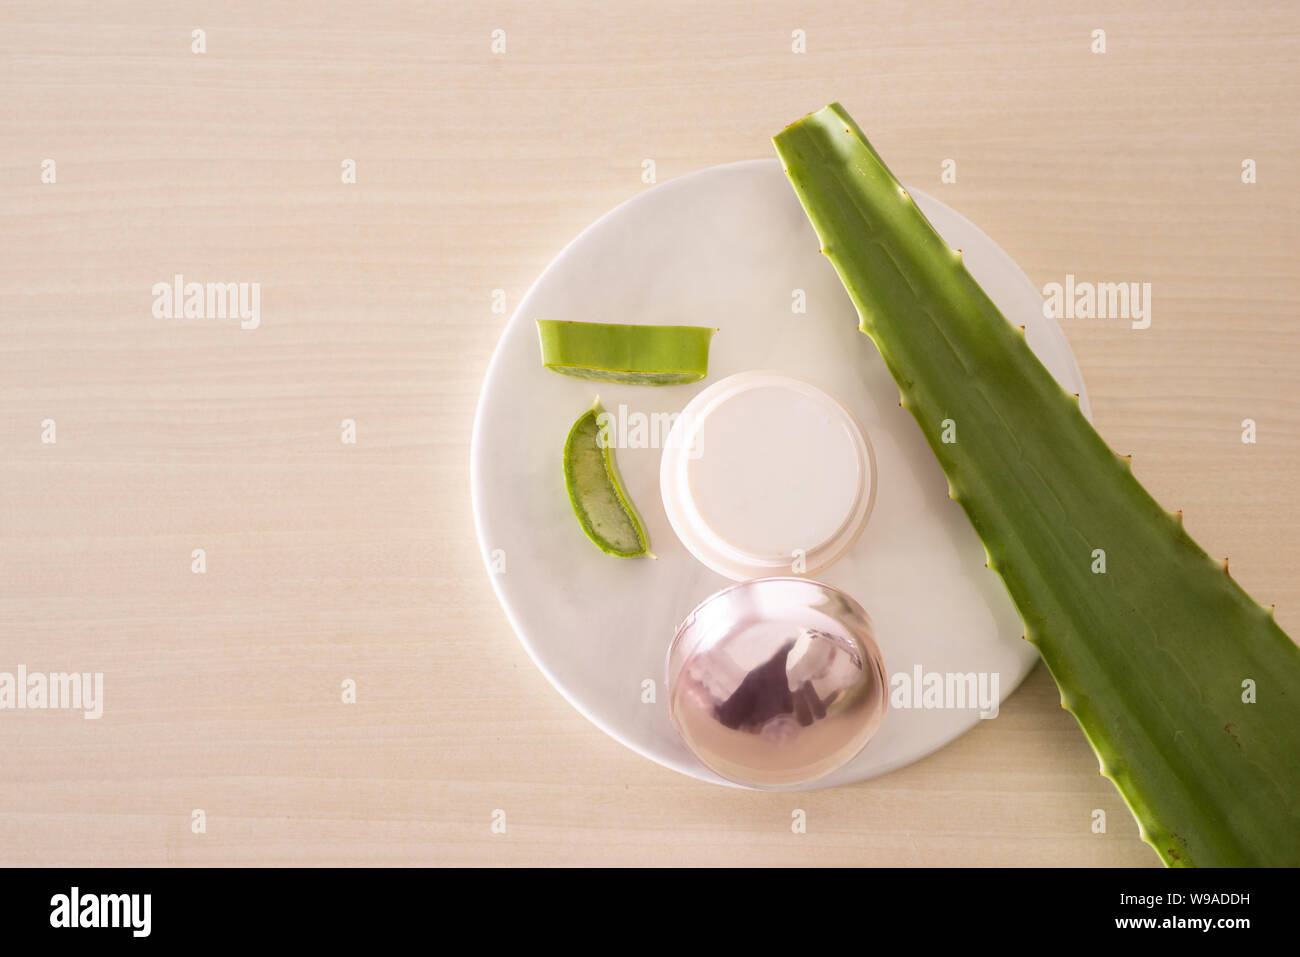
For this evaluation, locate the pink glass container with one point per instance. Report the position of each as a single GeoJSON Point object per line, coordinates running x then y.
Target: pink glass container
{"type": "Point", "coordinates": [776, 682]}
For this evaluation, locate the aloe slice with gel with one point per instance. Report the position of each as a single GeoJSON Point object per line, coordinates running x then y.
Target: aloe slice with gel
{"type": "Point", "coordinates": [596, 492]}
{"type": "Point", "coordinates": [631, 355]}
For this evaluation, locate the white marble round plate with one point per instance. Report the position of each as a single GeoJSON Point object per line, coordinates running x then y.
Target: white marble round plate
{"type": "Point", "coordinates": [728, 247]}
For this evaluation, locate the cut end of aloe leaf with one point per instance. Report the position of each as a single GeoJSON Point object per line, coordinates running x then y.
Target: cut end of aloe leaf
{"type": "Point", "coordinates": [626, 354]}
{"type": "Point", "coordinates": [596, 492]}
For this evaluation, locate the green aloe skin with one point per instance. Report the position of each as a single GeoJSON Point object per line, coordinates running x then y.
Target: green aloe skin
{"type": "Point", "coordinates": [628, 354]}
{"type": "Point", "coordinates": [1154, 656]}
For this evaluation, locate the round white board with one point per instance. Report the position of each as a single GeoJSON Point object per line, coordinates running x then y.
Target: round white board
{"type": "Point", "coordinates": [728, 247]}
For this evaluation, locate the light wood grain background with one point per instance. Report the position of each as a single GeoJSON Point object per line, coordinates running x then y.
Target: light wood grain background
{"type": "Point", "coordinates": [328, 561]}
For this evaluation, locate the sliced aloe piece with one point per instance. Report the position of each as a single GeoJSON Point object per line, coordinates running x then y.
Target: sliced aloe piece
{"type": "Point", "coordinates": [1185, 686]}
{"type": "Point", "coordinates": [596, 492]}
{"type": "Point", "coordinates": [633, 355]}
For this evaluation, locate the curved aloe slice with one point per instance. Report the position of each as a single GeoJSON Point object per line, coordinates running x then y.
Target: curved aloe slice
{"type": "Point", "coordinates": [634, 355]}
{"type": "Point", "coordinates": [1185, 686]}
{"type": "Point", "coordinates": [596, 492]}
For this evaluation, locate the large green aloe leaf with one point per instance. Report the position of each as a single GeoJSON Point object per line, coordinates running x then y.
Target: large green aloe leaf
{"type": "Point", "coordinates": [1159, 655]}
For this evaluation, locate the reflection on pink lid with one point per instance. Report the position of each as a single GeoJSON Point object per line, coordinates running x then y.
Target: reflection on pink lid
{"type": "Point", "coordinates": [776, 682]}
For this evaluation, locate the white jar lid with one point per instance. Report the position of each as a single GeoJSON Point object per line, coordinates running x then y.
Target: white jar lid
{"type": "Point", "coordinates": [764, 474]}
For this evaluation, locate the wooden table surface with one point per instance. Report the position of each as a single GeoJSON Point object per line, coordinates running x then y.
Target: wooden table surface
{"type": "Point", "coordinates": [328, 561]}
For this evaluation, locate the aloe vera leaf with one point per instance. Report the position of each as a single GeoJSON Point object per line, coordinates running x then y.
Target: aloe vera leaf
{"type": "Point", "coordinates": [629, 354]}
{"type": "Point", "coordinates": [596, 491]}
{"type": "Point", "coordinates": [1151, 655]}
